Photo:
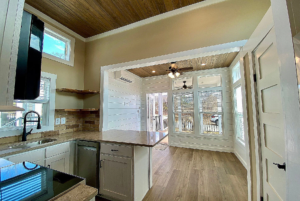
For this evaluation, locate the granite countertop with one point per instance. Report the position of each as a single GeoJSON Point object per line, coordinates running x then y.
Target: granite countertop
{"type": "Point", "coordinates": [80, 193]}
{"type": "Point", "coordinates": [136, 138]}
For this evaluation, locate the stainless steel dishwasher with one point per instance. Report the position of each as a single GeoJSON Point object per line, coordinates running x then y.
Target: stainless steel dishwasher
{"type": "Point", "coordinates": [87, 162]}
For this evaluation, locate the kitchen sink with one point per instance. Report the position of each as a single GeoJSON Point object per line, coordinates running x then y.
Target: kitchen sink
{"type": "Point", "coordinates": [25, 145]}
{"type": "Point", "coordinates": [31, 144]}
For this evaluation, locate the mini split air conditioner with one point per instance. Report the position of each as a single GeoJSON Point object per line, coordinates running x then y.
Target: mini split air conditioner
{"type": "Point", "coordinates": [123, 76]}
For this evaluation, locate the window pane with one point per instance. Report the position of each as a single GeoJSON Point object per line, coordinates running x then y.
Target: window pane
{"type": "Point", "coordinates": [183, 102]}
{"type": "Point", "coordinates": [15, 119]}
{"type": "Point", "coordinates": [236, 73]}
{"type": "Point", "coordinates": [210, 81]}
{"type": "Point", "coordinates": [210, 101]}
{"type": "Point", "coordinates": [211, 123]}
{"type": "Point", "coordinates": [178, 83]}
{"type": "Point", "coordinates": [54, 46]}
{"type": "Point", "coordinates": [184, 122]}
{"type": "Point", "coordinates": [238, 113]}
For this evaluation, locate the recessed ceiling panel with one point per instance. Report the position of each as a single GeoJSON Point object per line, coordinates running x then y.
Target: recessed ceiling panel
{"type": "Point", "coordinates": [202, 63]}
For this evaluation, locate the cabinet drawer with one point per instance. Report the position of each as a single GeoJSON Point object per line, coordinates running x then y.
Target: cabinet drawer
{"type": "Point", "coordinates": [31, 156]}
{"type": "Point", "coordinates": [116, 149]}
{"type": "Point", "coordinates": [57, 149]}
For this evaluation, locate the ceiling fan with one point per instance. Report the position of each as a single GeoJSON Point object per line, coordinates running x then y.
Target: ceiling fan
{"type": "Point", "coordinates": [185, 86]}
{"type": "Point", "coordinates": [174, 71]}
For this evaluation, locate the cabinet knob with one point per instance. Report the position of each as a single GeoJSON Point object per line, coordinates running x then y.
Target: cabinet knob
{"type": "Point", "coordinates": [114, 150]}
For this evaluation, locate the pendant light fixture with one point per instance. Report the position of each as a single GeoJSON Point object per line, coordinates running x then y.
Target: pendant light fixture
{"type": "Point", "coordinates": [184, 85]}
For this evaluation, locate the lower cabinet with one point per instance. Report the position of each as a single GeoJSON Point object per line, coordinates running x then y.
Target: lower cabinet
{"type": "Point", "coordinates": [59, 162]}
{"type": "Point", "coordinates": [116, 177]}
{"type": "Point", "coordinates": [36, 156]}
{"type": "Point", "coordinates": [56, 157]}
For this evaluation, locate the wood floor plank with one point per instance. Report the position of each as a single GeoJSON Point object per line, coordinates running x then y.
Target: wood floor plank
{"type": "Point", "coordinates": [190, 174]}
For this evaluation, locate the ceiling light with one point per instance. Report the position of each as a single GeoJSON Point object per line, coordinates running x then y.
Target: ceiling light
{"type": "Point", "coordinates": [171, 75]}
{"type": "Point", "coordinates": [203, 64]}
{"type": "Point", "coordinates": [153, 71]}
{"type": "Point", "coordinates": [177, 74]}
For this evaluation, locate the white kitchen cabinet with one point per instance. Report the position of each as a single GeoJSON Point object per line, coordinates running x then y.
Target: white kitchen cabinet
{"type": "Point", "coordinates": [116, 177]}
{"type": "Point", "coordinates": [36, 156]}
{"type": "Point", "coordinates": [59, 162]}
{"type": "Point", "coordinates": [57, 156]}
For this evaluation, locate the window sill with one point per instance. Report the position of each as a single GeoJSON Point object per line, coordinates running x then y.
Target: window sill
{"type": "Point", "coordinates": [48, 56]}
{"type": "Point", "coordinates": [19, 130]}
{"type": "Point", "coordinates": [241, 141]}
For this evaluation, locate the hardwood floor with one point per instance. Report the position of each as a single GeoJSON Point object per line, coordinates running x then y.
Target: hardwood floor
{"type": "Point", "coordinates": [190, 174]}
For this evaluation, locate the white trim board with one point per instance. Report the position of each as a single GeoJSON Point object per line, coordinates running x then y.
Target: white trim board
{"type": "Point", "coordinates": [240, 159]}
{"type": "Point", "coordinates": [179, 56]}
{"type": "Point", "coordinates": [201, 147]}
{"type": "Point", "coordinates": [154, 19]}
{"type": "Point", "coordinates": [34, 11]}
{"type": "Point", "coordinates": [123, 28]}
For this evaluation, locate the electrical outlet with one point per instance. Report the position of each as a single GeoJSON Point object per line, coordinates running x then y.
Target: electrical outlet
{"type": "Point", "coordinates": [63, 120]}
{"type": "Point", "coordinates": [57, 121]}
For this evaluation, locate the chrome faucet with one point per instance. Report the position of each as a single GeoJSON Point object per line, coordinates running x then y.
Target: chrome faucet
{"type": "Point", "coordinates": [24, 136]}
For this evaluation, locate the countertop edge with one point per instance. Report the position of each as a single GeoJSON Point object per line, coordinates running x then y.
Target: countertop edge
{"type": "Point", "coordinates": [59, 141]}
{"type": "Point", "coordinates": [81, 192]}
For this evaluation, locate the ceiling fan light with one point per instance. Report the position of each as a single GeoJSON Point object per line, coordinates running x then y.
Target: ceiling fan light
{"type": "Point", "coordinates": [177, 74]}
{"type": "Point", "coordinates": [171, 75]}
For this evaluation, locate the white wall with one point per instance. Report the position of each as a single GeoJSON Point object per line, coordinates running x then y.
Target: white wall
{"type": "Point", "coordinates": [124, 103]}
{"type": "Point", "coordinates": [195, 140]}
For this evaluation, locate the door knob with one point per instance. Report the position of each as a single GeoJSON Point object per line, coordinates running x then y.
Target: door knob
{"type": "Point", "coordinates": [283, 166]}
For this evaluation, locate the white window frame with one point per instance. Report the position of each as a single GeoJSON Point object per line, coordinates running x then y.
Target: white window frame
{"type": "Point", "coordinates": [236, 84]}
{"type": "Point", "coordinates": [50, 112]}
{"type": "Point", "coordinates": [183, 91]}
{"type": "Point", "coordinates": [211, 89]}
{"type": "Point", "coordinates": [242, 141]}
{"type": "Point", "coordinates": [70, 45]}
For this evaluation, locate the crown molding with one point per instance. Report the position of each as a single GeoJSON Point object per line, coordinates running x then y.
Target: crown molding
{"type": "Point", "coordinates": [154, 19]}
{"type": "Point", "coordinates": [34, 11]}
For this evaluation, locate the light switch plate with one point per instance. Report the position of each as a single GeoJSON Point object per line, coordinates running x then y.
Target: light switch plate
{"type": "Point", "coordinates": [63, 120]}
{"type": "Point", "coordinates": [57, 121]}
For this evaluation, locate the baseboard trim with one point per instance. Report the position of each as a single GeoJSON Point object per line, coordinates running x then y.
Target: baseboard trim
{"type": "Point", "coordinates": [240, 158]}
{"type": "Point", "coordinates": [220, 149]}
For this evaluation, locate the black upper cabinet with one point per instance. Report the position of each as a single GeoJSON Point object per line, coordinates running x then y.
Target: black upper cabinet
{"type": "Point", "coordinates": [28, 74]}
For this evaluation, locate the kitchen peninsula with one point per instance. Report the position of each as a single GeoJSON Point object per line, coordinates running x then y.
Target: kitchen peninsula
{"type": "Point", "coordinates": [125, 167]}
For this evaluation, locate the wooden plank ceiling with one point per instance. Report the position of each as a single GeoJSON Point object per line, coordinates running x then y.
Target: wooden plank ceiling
{"type": "Point", "coordinates": [92, 17]}
{"type": "Point", "coordinates": [215, 61]}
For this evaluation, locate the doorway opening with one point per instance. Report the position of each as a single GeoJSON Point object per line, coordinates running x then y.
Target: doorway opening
{"type": "Point", "coordinates": [157, 109]}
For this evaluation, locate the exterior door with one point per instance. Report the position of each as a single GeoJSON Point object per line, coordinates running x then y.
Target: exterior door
{"type": "Point", "coordinates": [151, 125]}
{"type": "Point", "coordinates": [157, 112]}
{"type": "Point", "coordinates": [271, 119]}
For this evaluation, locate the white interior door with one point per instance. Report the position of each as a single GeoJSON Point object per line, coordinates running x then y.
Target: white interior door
{"type": "Point", "coordinates": [271, 119]}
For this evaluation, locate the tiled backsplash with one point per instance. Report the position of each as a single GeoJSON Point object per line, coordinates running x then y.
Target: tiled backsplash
{"type": "Point", "coordinates": [75, 121]}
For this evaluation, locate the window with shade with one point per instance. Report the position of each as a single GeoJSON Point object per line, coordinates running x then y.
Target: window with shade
{"type": "Point", "coordinates": [184, 112]}
{"type": "Point", "coordinates": [14, 120]}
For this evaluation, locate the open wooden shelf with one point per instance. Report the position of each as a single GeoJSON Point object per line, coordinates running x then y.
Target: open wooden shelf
{"type": "Point", "coordinates": [77, 91]}
{"type": "Point", "coordinates": [78, 110]}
